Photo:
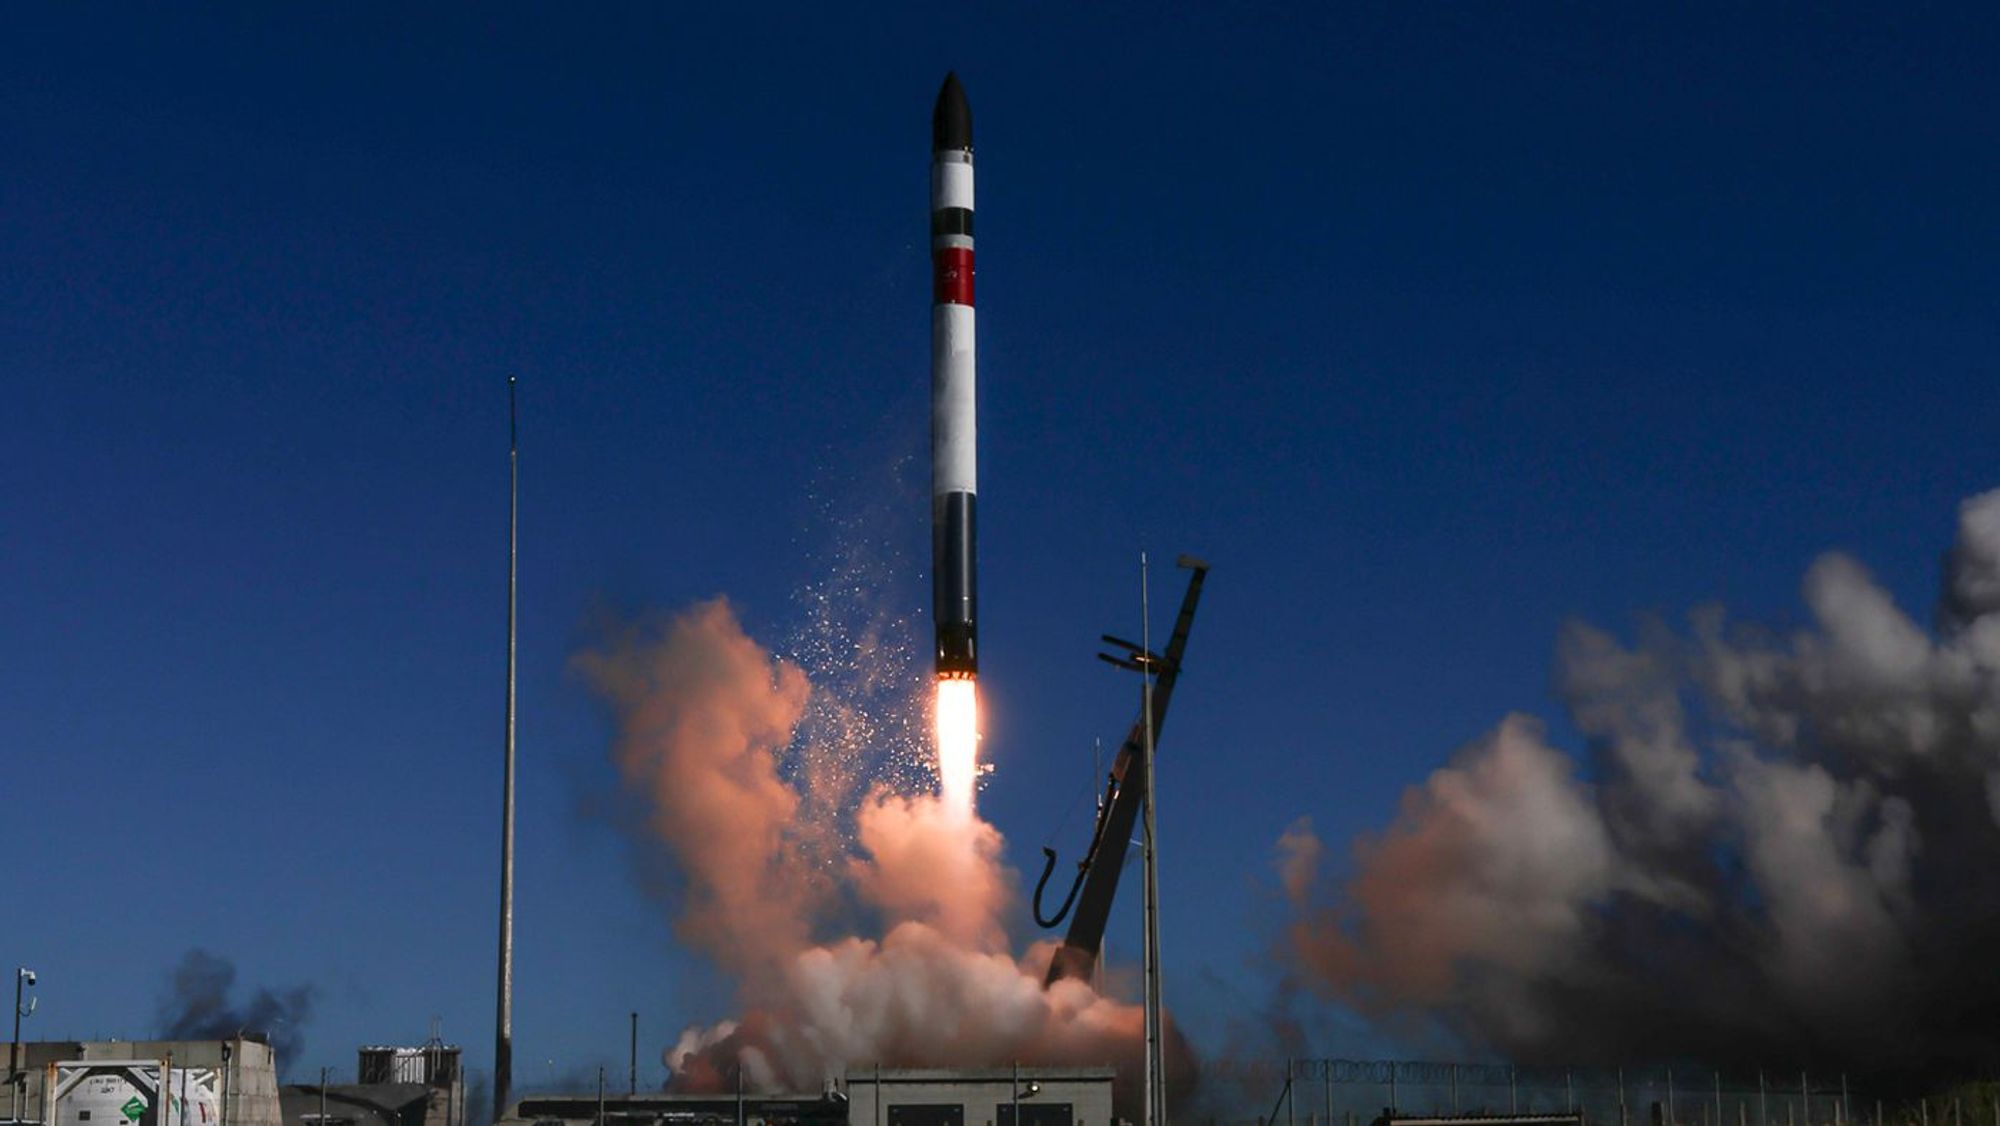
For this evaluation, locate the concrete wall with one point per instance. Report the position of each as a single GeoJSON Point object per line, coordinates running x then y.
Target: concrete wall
{"type": "Point", "coordinates": [655, 1107]}
{"type": "Point", "coordinates": [251, 1080]}
{"type": "Point", "coordinates": [967, 1096]}
{"type": "Point", "coordinates": [983, 1092]}
{"type": "Point", "coordinates": [363, 1104]}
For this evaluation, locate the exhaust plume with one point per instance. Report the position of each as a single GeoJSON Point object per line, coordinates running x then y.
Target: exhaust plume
{"type": "Point", "coordinates": [197, 1007]}
{"type": "Point", "coordinates": [957, 714]}
{"type": "Point", "coordinates": [1774, 849]}
{"type": "Point", "coordinates": [707, 722]}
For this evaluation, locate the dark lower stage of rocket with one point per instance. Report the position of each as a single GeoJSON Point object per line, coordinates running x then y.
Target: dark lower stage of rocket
{"type": "Point", "coordinates": [955, 598]}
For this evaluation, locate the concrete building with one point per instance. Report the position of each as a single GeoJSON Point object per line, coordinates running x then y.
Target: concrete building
{"type": "Point", "coordinates": [246, 1071]}
{"type": "Point", "coordinates": [992, 1096]}
{"type": "Point", "coordinates": [998, 1096]}
{"type": "Point", "coordinates": [421, 1086]}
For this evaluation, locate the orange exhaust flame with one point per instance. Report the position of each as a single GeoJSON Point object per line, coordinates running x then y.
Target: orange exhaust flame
{"type": "Point", "coordinates": [957, 742]}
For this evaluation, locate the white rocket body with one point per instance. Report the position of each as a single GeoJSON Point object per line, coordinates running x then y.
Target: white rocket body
{"type": "Point", "coordinates": [954, 412]}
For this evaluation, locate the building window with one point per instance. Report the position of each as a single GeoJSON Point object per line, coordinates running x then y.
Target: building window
{"type": "Point", "coordinates": [928, 1114]}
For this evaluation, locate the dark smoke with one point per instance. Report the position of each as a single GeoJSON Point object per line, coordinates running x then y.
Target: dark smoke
{"type": "Point", "coordinates": [198, 1007]}
{"type": "Point", "coordinates": [1778, 849]}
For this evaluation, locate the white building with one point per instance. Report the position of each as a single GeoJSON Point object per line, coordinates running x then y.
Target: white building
{"type": "Point", "coordinates": [245, 1070]}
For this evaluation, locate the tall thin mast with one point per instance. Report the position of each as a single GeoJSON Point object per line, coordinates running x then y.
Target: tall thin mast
{"type": "Point", "coordinates": [503, 1035]}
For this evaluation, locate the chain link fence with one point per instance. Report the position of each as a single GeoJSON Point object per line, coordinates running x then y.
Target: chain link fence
{"type": "Point", "coordinates": [1344, 1092]}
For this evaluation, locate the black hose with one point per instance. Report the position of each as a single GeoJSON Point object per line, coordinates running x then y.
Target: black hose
{"type": "Point", "coordinates": [1048, 869]}
{"type": "Point", "coordinates": [1082, 866]}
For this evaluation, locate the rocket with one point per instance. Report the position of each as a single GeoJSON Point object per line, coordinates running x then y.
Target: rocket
{"type": "Point", "coordinates": [954, 416]}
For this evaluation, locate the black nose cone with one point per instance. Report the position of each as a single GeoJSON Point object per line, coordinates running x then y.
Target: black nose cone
{"type": "Point", "coordinates": [951, 121]}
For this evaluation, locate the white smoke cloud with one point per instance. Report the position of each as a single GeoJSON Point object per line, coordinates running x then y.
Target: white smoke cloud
{"type": "Point", "coordinates": [705, 719]}
{"type": "Point", "coordinates": [702, 715]}
{"type": "Point", "coordinates": [1491, 861]}
{"type": "Point", "coordinates": [1776, 848]}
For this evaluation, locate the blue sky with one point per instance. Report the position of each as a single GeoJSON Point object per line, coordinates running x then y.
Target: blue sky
{"type": "Point", "coordinates": [1430, 327]}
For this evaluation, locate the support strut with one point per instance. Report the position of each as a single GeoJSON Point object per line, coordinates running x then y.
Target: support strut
{"type": "Point", "coordinates": [1097, 873]}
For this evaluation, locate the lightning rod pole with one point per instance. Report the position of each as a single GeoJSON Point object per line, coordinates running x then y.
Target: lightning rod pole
{"type": "Point", "coordinates": [1156, 1086]}
{"type": "Point", "coordinates": [503, 1037]}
